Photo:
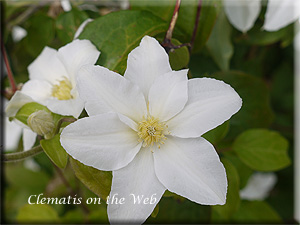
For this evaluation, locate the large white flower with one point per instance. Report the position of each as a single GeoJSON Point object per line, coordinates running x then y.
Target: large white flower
{"type": "Point", "coordinates": [146, 128]}
{"type": "Point", "coordinates": [53, 76]}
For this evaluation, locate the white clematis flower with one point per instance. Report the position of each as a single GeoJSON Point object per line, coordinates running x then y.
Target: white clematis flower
{"type": "Point", "coordinates": [146, 128]}
{"type": "Point", "coordinates": [53, 77]}
{"type": "Point", "coordinates": [259, 186]}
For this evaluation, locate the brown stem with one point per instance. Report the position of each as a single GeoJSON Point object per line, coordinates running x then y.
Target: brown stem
{"type": "Point", "coordinates": [196, 23]}
{"type": "Point", "coordinates": [71, 120]}
{"type": "Point", "coordinates": [70, 188]}
{"type": "Point", "coordinates": [169, 33]}
{"type": "Point", "coordinates": [9, 72]}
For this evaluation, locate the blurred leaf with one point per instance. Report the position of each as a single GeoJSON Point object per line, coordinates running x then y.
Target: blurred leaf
{"type": "Point", "coordinates": [173, 211]}
{"type": "Point", "coordinates": [55, 151]}
{"type": "Point", "coordinates": [99, 216]}
{"type": "Point", "coordinates": [117, 33]}
{"type": "Point", "coordinates": [37, 214]}
{"type": "Point", "coordinates": [20, 177]}
{"type": "Point", "coordinates": [96, 180]}
{"type": "Point", "coordinates": [75, 216]}
{"type": "Point", "coordinates": [255, 111]}
{"type": "Point", "coordinates": [40, 33]}
{"type": "Point", "coordinates": [217, 134]}
{"type": "Point", "coordinates": [243, 170]}
{"type": "Point", "coordinates": [262, 150]}
{"type": "Point", "coordinates": [256, 212]}
{"type": "Point", "coordinates": [219, 43]}
{"type": "Point", "coordinates": [223, 213]}
{"type": "Point", "coordinates": [256, 36]}
{"type": "Point", "coordinates": [179, 58]}
{"type": "Point", "coordinates": [26, 110]}
{"type": "Point", "coordinates": [67, 24]}
{"type": "Point", "coordinates": [164, 9]}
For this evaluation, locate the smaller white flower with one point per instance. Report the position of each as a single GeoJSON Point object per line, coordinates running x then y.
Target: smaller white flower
{"type": "Point", "coordinates": [242, 14]}
{"type": "Point", "coordinates": [17, 101]}
{"type": "Point", "coordinates": [259, 186]}
{"type": "Point", "coordinates": [53, 77]}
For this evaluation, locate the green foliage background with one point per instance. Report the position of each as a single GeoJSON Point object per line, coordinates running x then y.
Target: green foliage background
{"type": "Point", "coordinates": [258, 65]}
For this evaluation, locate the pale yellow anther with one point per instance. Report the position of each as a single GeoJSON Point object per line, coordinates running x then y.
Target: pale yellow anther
{"type": "Point", "coordinates": [152, 131]}
{"type": "Point", "coordinates": [62, 91]}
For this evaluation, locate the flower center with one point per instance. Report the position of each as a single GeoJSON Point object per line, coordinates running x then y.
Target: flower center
{"type": "Point", "coordinates": [152, 131]}
{"type": "Point", "coordinates": [62, 91]}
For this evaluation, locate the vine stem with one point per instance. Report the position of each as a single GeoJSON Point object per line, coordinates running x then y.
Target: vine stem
{"type": "Point", "coordinates": [196, 23]}
{"type": "Point", "coordinates": [14, 157]}
{"type": "Point", "coordinates": [169, 33]}
{"type": "Point", "coordinates": [9, 72]}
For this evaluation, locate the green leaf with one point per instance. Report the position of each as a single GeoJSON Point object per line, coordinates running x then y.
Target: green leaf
{"type": "Point", "coordinates": [219, 43]}
{"type": "Point", "coordinates": [179, 58]}
{"type": "Point", "coordinates": [262, 150]}
{"type": "Point", "coordinates": [256, 212]}
{"type": "Point", "coordinates": [217, 134]}
{"type": "Point", "coordinates": [243, 170]}
{"type": "Point", "coordinates": [26, 110]}
{"type": "Point", "coordinates": [223, 213]}
{"type": "Point", "coordinates": [117, 33]}
{"type": "Point", "coordinates": [67, 24]}
{"type": "Point", "coordinates": [55, 151]}
{"type": "Point", "coordinates": [97, 181]}
{"type": "Point", "coordinates": [40, 29]}
{"type": "Point", "coordinates": [37, 214]}
{"type": "Point", "coordinates": [256, 111]}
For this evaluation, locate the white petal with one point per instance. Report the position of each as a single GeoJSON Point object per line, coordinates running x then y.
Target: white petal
{"type": "Point", "coordinates": [210, 103]}
{"type": "Point", "coordinates": [12, 134]}
{"type": "Point", "coordinates": [47, 66]}
{"type": "Point", "coordinates": [76, 54]}
{"type": "Point", "coordinates": [258, 187]}
{"type": "Point", "coordinates": [190, 167]}
{"type": "Point", "coordinates": [18, 33]}
{"type": "Point", "coordinates": [242, 14]}
{"type": "Point", "coordinates": [38, 90]}
{"type": "Point", "coordinates": [29, 138]}
{"type": "Point", "coordinates": [70, 107]}
{"type": "Point", "coordinates": [280, 14]}
{"type": "Point", "coordinates": [146, 62]}
{"type": "Point", "coordinates": [101, 141]}
{"type": "Point", "coordinates": [168, 94]}
{"type": "Point", "coordinates": [66, 5]}
{"type": "Point", "coordinates": [81, 27]}
{"type": "Point", "coordinates": [16, 102]}
{"type": "Point", "coordinates": [106, 91]}
{"type": "Point", "coordinates": [138, 179]}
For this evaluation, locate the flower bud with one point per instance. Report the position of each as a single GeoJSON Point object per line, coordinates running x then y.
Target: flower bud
{"type": "Point", "coordinates": [41, 122]}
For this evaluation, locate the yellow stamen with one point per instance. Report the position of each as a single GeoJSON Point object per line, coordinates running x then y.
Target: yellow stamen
{"type": "Point", "coordinates": [62, 91]}
{"type": "Point", "coordinates": [152, 131]}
